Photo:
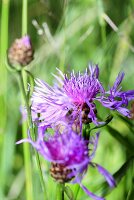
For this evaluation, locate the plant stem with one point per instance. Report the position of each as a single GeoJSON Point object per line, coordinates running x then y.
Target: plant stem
{"type": "Point", "coordinates": [23, 79]}
{"type": "Point", "coordinates": [60, 191]}
{"type": "Point", "coordinates": [20, 73]}
{"type": "Point", "coordinates": [24, 17]}
{"type": "Point", "coordinates": [32, 134]}
{"type": "Point", "coordinates": [26, 147]}
{"type": "Point", "coordinates": [77, 191]}
{"type": "Point", "coordinates": [3, 70]}
{"type": "Point", "coordinates": [4, 16]}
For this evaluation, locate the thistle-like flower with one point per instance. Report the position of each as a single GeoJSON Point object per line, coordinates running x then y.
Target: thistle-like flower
{"type": "Point", "coordinates": [70, 156]}
{"type": "Point", "coordinates": [70, 99]}
{"type": "Point", "coordinates": [21, 52]}
{"type": "Point", "coordinates": [73, 99]}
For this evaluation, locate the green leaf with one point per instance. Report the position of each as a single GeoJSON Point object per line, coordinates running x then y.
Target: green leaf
{"type": "Point", "coordinates": [69, 192]}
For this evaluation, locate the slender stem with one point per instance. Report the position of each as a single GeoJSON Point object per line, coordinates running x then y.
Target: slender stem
{"type": "Point", "coordinates": [32, 132]}
{"type": "Point", "coordinates": [26, 148]}
{"type": "Point", "coordinates": [60, 191]}
{"type": "Point", "coordinates": [4, 16]}
{"type": "Point", "coordinates": [23, 78]}
{"type": "Point", "coordinates": [41, 175]}
{"type": "Point", "coordinates": [77, 191]}
{"type": "Point", "coordinates": [3, 70]}
{"type": "Point", "coordinates": [20, 73]}
{"type": "Point", "coordinates": [24, 17]}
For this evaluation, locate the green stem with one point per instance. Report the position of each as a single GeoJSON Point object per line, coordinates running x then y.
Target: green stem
{"type": "Point", "coordinates": [26, 147]}
{"type": "Point", "coordinates": [77, 191]}
{"type": "Point", "coordinates": [30, 124]}
{"type": "Point", "coordinates": [32, 131]}
{"type": "Point", "coordinates": [23, 79]}
{"type": "Point", "coordinates": [60, 191]}
{"type": "Point", "coordinates": [4, 16]}
{"type": "Point", "coordinates": [3, 70]}
{"type": "Point", "coordinates": [24, 17]}
{"type": "Point", "coordinates": [41, 175]}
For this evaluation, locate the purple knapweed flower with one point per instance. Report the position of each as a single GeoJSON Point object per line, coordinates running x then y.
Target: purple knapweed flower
{"type": "Point", "coordinates": [70, 155]}
{"type": "Point", "coordinates": [71, 98]}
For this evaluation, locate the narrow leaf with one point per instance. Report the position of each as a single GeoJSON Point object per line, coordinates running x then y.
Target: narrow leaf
{"type": "Point", "coordinates": [69, 192]}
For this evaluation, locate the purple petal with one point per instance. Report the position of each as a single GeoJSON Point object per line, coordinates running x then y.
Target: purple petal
{"type": "Point", "coordinates": [124, 111]}
{"type": "Point", "coordinates": [26, 41]}
{"type": "Point", "coordinates": [92, 114]}
{"type": "Point", "coordinates": [128, 94]}
{"type": "Point", "coordinates": [109, 178]}
{"type": "Point", "coordinates": [29, 141]}
{"type": "Point", "coordinates": [118, 80]}
{"type": "Point", "coordinates": [93, 196]}
{"type": "Point", "coordinates": [94, 71]}
{"type": "Point", "coordinates": [94, 142]}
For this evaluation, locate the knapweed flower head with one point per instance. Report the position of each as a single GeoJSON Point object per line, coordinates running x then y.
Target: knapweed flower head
{"type": "Point", "coordinates": [73, 98]}
{"type": "Point", "coordinates": [69, 155]}
{"type": "Point", "coordinates": [20, 52]}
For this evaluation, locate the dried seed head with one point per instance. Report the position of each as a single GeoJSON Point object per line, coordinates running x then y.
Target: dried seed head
{"type": "Point", "coordinates": [60, 173]}
{"type": "Point", "coordinates": [20, 52]}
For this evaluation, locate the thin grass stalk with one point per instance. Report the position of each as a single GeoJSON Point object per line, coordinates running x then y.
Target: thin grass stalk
{"type": "Point", "coordinates": [3, 84]}
{"type": "Point", "coordinates": [3, 70]}
{"type": "Point", "coordinates": [26, 146]}
{"type": "Point", "coordinates": [31, 129]}
{"type": "Point", "coordinates": [23, 78]}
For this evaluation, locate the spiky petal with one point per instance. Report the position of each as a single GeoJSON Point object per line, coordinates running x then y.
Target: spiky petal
{"type": "Point", "coordinates": [116, 99]}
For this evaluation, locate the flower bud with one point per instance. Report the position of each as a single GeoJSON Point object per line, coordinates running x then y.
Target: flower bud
{"type": "Point", "coordinates": [20, 52]}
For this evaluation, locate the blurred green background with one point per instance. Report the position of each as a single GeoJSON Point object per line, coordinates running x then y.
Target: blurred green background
{"type": "Point", "coordinates": [70, 35]}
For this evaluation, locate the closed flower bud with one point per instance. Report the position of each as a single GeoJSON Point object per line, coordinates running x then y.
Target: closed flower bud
{"type": "Point", "coordinates": [21, 52]}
